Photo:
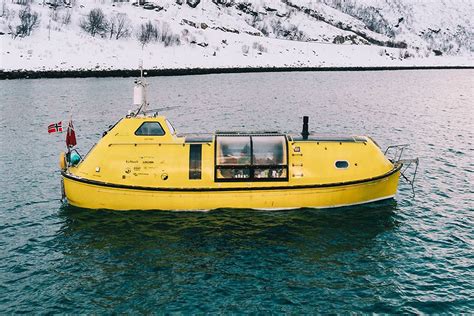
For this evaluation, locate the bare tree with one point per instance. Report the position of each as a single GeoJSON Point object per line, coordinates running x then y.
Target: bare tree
{"type": "Point", "coordinates": [23, 2]}
{"type": "Point", "coordinates": [150, 32]}
{"type": "Point", "coordinates": [95, 22]}
{"type": "Point", "coordinates": [147, 33]}
{"type": "Point", "coordinates": [167, 37]}
{"type": "Point", "coordinates": [29, 20]}
{"type": "Point", "coordinates": [54, 15]}
{"type": "Point", "coordinates": [66, 17]}
{"type": "Point", "coordinates": [112, 27]}
{"type": "Point", "coordinates": [5, 10]}
{"type": "Point", "coordinates": [259, 47]}
{"type": "Point", "coordinates": [7, 14]}
{"type": "Point", "coordinates": [119, 26]}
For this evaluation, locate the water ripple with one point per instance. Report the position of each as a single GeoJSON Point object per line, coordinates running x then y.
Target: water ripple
{"type": "Point", "coordinates": [408, 255]}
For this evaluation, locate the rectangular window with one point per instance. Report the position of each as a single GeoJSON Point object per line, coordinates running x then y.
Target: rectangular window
{"type": "Point", "coordinates": [269, 150]}
{"type": "Point", "coordinates": [195, 161]}
{"type": "Point", "coordinates": [233, 150]}
{"type": "Point", "coordinates": [251, 158]}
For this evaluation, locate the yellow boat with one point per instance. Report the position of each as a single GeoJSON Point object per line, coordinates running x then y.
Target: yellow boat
{"type": "Point", "coordinates": [142, 163]}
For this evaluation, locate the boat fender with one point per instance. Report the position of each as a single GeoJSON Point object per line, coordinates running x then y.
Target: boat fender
{"type": "Point", "coordinates": [62, 160]}
{"type": "Point", "coordinates": [74, 158]}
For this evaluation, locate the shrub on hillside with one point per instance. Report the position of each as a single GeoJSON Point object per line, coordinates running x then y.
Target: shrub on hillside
{"type": "Point", "coordinates": [4, 12]}
{"type": "Point", "coordinates": [227, 3]}
{"type": "Point", "coordinates": [193, 3]}
{"type": "Point", "coordinates": [119, 26]}
{"type": "Point", "coordinates": [23, 2]}
{"type": "Point", "coordinates": [53, 15]}
{"type": "Point", "coordinates": [167, 37]}
{"type": "Point", "coordinates": [259, 47]}
{"type": "Point", "coordinates": [66, 17]}
{"type": "Point", "coordinates": [404, 54]}
{"type": "Point", "coordinates": [150, 32]}
{"type": "Point", "coordinates": [95, 22]}
{"type": "Point", "coordinates": [29, 20]}
{"type": "Point", "coordinates": [59, 15]}
{"type": "Point", "coordinates": [367, 13]}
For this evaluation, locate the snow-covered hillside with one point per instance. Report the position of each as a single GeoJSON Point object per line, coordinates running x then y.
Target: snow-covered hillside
{"type": "Point", "coordinates": [106, 35]}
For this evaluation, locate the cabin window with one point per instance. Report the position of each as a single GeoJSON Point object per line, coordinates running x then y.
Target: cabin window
{"type": "Point", "coordinates": [342, 164]}
{"type": "Point", "coordinates": [254, 158]}
{"type": "Point", "coordinates": [269, 150]}
{"type": "Point", "coordinates": [195, 161]}
{"type": "Point", "coordinates": [269, 157]}
{"type": "Point", "coordinates": [233, 157]}
{"type": "Point", "coordinates": [233, 150]}
{"type": "Point", "coordinates": [150, 129]}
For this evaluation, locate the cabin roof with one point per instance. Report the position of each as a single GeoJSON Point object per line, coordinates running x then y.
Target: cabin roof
{"type": "Point", "coordinates": [330, 138]}
{"type": "Point", "coordinates": [197, 138]}
{"type": "Point", "coordinates": [249, 133]}
{"type": "Point", "coordinates": [208, 137]}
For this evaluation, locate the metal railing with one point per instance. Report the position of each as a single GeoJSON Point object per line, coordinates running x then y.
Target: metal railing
{"type": "Point", "coordinates": [394, 153]}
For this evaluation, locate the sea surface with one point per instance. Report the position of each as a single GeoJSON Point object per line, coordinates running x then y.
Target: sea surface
{"type": "Point", "coordinates": [412, 254]}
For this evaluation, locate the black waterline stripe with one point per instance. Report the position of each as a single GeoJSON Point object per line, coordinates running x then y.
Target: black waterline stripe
{"type": "Point", "coordinates": [131, 187]}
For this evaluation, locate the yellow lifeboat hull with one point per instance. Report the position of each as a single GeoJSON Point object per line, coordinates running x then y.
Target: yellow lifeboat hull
{"type": "Point", "coordinates": [153, 168]}
{"type": "Point", "coordinates": [95, 195]}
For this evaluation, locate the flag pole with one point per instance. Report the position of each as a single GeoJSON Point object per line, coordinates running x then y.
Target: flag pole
{"type": "Point", "coordinates": [67, 130]}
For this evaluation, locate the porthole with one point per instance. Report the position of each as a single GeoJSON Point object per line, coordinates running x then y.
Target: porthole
{"type": "Point", "coordinates": [342, 164]}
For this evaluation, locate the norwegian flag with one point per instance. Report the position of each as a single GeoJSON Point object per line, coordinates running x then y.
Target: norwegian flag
{"type": "Point", "coordinates": [55, 127]}
{"type": "Point", "coordinates": [70, 136]}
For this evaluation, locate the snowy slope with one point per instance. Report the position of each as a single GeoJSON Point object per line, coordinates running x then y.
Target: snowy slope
{"type": "Point", "coordinates": [444, 25]}
{"type": "Point", "coordinates": [226, 33]}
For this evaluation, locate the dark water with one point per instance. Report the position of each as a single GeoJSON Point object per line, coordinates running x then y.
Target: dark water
{"type": "Point", "coordinates": [411, 254]}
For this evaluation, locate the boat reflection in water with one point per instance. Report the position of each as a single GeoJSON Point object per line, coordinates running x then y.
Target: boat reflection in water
{"type": "Point", "coordinates": [227, 260]}
{"type": "Point", "coordinates": [306, 230]}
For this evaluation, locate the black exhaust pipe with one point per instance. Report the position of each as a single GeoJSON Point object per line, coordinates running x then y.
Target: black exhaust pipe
{"type": "Point", "coordinates": [305, 132]}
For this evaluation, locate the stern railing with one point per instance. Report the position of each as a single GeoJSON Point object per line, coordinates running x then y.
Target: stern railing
{"type": "Point", "coordinates": [394, 153]}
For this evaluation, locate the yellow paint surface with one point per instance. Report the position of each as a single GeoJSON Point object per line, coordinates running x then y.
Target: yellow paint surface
{"type": "Point", "coordinates": [162, 162]}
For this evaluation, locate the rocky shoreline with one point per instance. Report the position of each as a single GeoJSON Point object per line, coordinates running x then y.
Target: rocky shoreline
{"type": "Point", "coordinates": [25, 74]}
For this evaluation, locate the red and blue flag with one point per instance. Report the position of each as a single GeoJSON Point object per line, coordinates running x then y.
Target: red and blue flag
{"type": "Point", "coordinates": [55, 127]}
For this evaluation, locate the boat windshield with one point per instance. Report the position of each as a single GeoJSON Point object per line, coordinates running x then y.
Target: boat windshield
{"type": "Point", "coordinates": [150, 129]}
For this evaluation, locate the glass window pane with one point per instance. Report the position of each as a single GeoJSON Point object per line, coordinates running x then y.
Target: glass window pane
{"type": "Point", "coordinates": [195, 161]}
{"type": "Point", "coordinates": [269, 150]}
{"type": "Point", "coordinates": [270, 173]}
{"type": "Point", "coordinates": [233, 173]}
{"type": "Point", "coordinates": [150, 129]}
{"type": "Point", "coordinates": [233, 150]}
{"type": "Point", "coordinates": [342, 164]}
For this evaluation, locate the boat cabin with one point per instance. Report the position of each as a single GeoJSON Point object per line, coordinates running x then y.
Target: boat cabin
{"type": "Point", "coordinates": [147, 151]}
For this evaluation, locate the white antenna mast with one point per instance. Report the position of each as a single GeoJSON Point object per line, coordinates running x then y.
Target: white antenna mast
{"type": "Point", "coordinates": [139, 92]}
